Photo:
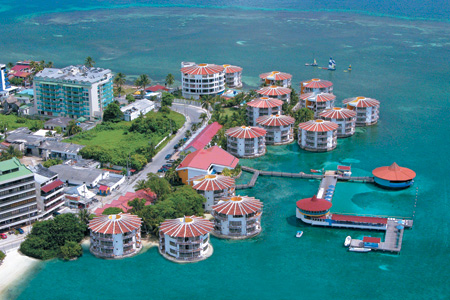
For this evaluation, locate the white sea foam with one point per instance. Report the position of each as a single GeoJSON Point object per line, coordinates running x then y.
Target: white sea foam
{"type": "Point", "coordinates": [242, 43]}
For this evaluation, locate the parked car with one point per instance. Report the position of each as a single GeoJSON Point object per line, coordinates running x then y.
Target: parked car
{"type": "Point", "coordinates": [168, 156]}
{"type": "Point", "coordinates": [176, 146]}
{"type": "Point", "coordinates": [167, 165]}
{"type": "Point", "coordinates": [161, 170]}
{"type": "Point", "coordinates": [20, 230]}
{"type": "Point", "coordinates": [171, 161]}
{"type": "Point", "coordinates": [3, 236]}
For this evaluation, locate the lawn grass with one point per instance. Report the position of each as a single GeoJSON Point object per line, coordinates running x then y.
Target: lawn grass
{"type": "Point", "coordinates": [228, 111]}
{"type": "Point", "coordinates": [13, 122]}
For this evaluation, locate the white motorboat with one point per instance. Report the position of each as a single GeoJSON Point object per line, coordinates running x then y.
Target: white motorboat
{"type": "Point", "coordinates": [348, 240]}
{"type": "Point", "coordinates": [359, 249]}
{"type": "Point", "coordinates": [299, 234]}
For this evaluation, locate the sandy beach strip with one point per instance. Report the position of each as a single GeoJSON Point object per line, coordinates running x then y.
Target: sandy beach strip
{"type": "Point", "coordinates": [15, 267]}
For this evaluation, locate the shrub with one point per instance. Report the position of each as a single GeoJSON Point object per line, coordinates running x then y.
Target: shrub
{"type": "Point", "coordinates": [112, 211]}
{"type": "Point", "coordinates": [70, 250]}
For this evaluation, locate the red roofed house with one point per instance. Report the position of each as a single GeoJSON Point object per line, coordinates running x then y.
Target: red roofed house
{"type": "Point", "coordinates": [115, 236]}
{"type": "Point", "coordinates": [156, 88]}
{"type": "Point", "coordinates": [22, 69]}
{"type": "Point", "coordinates": [204, 162]}
{"type": "Point", "coordinates": [203, 138]}
{"type": "Point", "coordinates": [122, 201]}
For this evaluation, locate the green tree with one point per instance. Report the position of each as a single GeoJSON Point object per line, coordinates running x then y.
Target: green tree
{"type": "Point", "coordinates": [119, 81]}
{"type": "Point", "coordinates": [172, 177]}
{"type": "Point", "coordinates": [47, 237]}
{"type": "Point", "coordinates": [52, 162]}
{"type": "Point", "coordinates": [112, 113]}
{"type": "Point", "coordinates": [2, 256]}
{"type": "Point", "coordinates": [70, 250]}
{"type": "Point", "coordinates": [167, 99]}
{"type": "Point", "coordinates": [303, 115]}
{"type": "Point", "coordinates": [136, 205]}
{"type": "Point", "coordinates": [9, 153]}
{"type": "Point", "coordinates": [159, 186]}
{"type": "Point", "coordinates": [130, 98]}
{"type": "Point", "coordinates": [49, 65]}
{"type": "Point", "coordinates": [138, 161]}
{"type": "Point", "coordinates": [84, 217]}
{"type": "Point", "coordinates": [73, 128]}
{"type": "Point", "coordinates": [89, 62]}
{"type": "Point", "coordinates": [10, 65]}
{"type": "Point", "coordinates": [142, 81]}
{"type": "Point", "coordinates": [170, 79]}
{"type": "Point", "coordinates": [112, 211]}
{"type": "Point", "coordinates": [187, 201]}
{"type": "Point", "coordinates": [58, 130]}
{"type": "Point", "coordinates": [203, 117]}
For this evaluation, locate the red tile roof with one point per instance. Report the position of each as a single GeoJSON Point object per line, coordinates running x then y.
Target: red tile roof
{"type": "Point", "coordinates": [394, 173]}
{"type": "Point", "coordinates": [369, 239]}
{"type": "Point", "coordinates": [265, 102]}
{"type": "Point", "coordinates": [202, 159]}
{"type": "Point", "coordinates": [246, 132]}
{"type": "Point", "coordinates": [275, 75]}
{"type": "Point", "coordinates": [318, 125]}
{"type": "Point", "coordinates": [338, 113]}
{"type": "Point", "coordinates": [275, 120]}
{"type": "Point", "coordinates": [202, 69]}
{"type": "Point", "coordinates": [51, 186]}
{"type": "Point", "coordinates": [316, 83]}
{"type": "Point", "coordinates": [238, 206]}
{"type": "Point", "coordinates": [361, 102]}
{"type": "Point", "coordinates": [205, 136]}
{"type": "Point", "coordinates": [122, 201]}
{"type": "Point", "coordinates": [103, 188]}
{"type": "Point", "coordinates": [322, 97]}
{"type": "Point", "coordinates": [314, 204]}
{"type": "Point", "coordinates": [20, 68]}
{"type": "Point", "coordinates": [186, 227]}
{"type": "Point", "coordinates": [115, 224]}
{"type": "Point", "coordinates": [212, 182]}
{"type": "Point", "coordinates": [274, 90]}
{"type": "Point", "coordinates": [21, 74]}
{"type": "Point", "coordinates": [232, 69]}
{"type": "Point", "coordinates": [156, 88]}
{"type": "Point", "coordinates": [357, 219]}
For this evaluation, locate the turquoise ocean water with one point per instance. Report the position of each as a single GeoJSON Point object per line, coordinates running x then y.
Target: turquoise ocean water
{"type": "Point", "coordinates": [400, 59]}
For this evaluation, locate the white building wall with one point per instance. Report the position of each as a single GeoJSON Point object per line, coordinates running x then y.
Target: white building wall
{"type": "Point", "coordinates": [118, 244]}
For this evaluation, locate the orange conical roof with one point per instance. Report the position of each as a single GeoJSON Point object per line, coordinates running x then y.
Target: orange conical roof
{"type": "Point", "coordinates": [394, 173]}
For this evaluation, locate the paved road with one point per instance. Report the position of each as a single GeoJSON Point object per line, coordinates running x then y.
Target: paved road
{"type": "Point", "coordinates": [192, 114]}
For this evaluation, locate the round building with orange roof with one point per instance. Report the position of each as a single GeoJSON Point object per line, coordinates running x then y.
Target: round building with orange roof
{"type": "Point", "coordinates": [201, 80]}
{"type": "Point", "coordinates": [246, 141]}
{"type": "Point", "coordinates": [262, 106]}
{"type": "Point", "coordinates": [276, 78]}
{"type": "Point", "coordinates": [367, 110]}
{"type": "Point", "coordinates": [185, 239]}
{"type": "Point", "coordinates": [317, 135]}
{"type": "Point", "coordinates": [115, 236]}
{"type": "Point", "coordinates": [312, 208]}
{"type": "Point", "coordinates": [394, 177]}
{"type": "Point", "coordinates": [237, 217]}
{"type": "Point", "coordinates": [213, 187]}
{"type": "Point", "coordinates": [345, 118]}
{"type": "Point", "coordinates": [233, 76]}
{"type": "Point", "coordinates": [316, 86]}
{"type": "Point", "coordinates": [317, 102]}
{"type": "Point", "coordinates": [276, 92]}
{"type": "Point", "coordinates": [279, 129]}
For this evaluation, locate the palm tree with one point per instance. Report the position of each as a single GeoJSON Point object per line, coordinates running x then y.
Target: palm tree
{"type": "Point", "coordinates": [119, 80]}
{"type": "Point", "coordinates": [73, 128]}
{"type": "Point", "coordinates": [89, 62]}
{"type": "Point", "coordinates": [49, 65]}
{"type": "Point", "coordinates": [140, 185]}
{"type": "Point", "coordinates": [144, 81]}
{"type": "Point", "coordinates": [9, 65]}
{"type": "Point", "coordinates": [170, 79]}
{"type": "Point", "coordinates": [84, 216]}
{"type": "Point", "coordinates": [203, 117]}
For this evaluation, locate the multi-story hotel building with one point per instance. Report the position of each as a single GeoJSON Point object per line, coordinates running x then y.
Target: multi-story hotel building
{"type": "Point", "coordinates": [51, 192]}
{"type": "Point", "coordinates": [185, 239]}
{"type": "Point", "coordinates": [316, 86]}
{"type": "Point", "coordinates": [367, 110]}
{"type": "Point", "coordinates": [201, 80]}
{"type": "Point", "coordinates": [277, 92]}
{"type": "Point", "coordinates": [276, 78]}
{"type": "Point", "coordinates": [263, 106]}
{"type": "Point", "coordinates": [74, 92]}
{"type": "Point", "coordinates": [233, 76]}
{"type": "Point", "coordinates": [237, 217]}
{"type": "Point", "coordinates": [18, 195]}
{"type": "Point", "coordinates": [317, 102]}
{"type": "Point", "coordinates": [246, 141]}
{"type": "Point", "coordinates": [213, 187]}
{"type": "Point", "coordinates": [115, 236]}
{"type": "Point", "coordinates": [317, 135]}
{"type": "Point", "coordinates": [4, 83]}
{"type": "Point", "coordinates": [279, 129]}
{"type": "Point", "coordinates": [345, 118]}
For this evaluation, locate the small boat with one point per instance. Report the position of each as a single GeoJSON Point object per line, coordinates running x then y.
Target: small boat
{"type": "Point", "coordinates": [315, 171]}
{"type": "Point", "coordinates": [314, 64]}
{"type": "Point", "coordinates": [299, 234]}
{"type": "Point", "coordinates": [349, 69]}
{"type": "Point", "coordinates": [331, 64]}
{"type": "Point", "coordinates": [359, 249]}
{"type": "Point", "coordinates": [348, 241]}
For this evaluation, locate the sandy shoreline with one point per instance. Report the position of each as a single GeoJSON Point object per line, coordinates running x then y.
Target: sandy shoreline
{"type": "Point", "coordinates": [14, 267]}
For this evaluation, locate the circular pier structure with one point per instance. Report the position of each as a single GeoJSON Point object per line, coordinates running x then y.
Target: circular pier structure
{"type": "Point", "coordinates": [394, 177]}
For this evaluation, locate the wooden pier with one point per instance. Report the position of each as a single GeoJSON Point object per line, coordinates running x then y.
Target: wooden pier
{"type": "Point", "coordinates": [257, 173]}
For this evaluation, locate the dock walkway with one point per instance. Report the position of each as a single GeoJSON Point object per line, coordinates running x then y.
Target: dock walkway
{"type": "Point", "coordinates": [257, 173]}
